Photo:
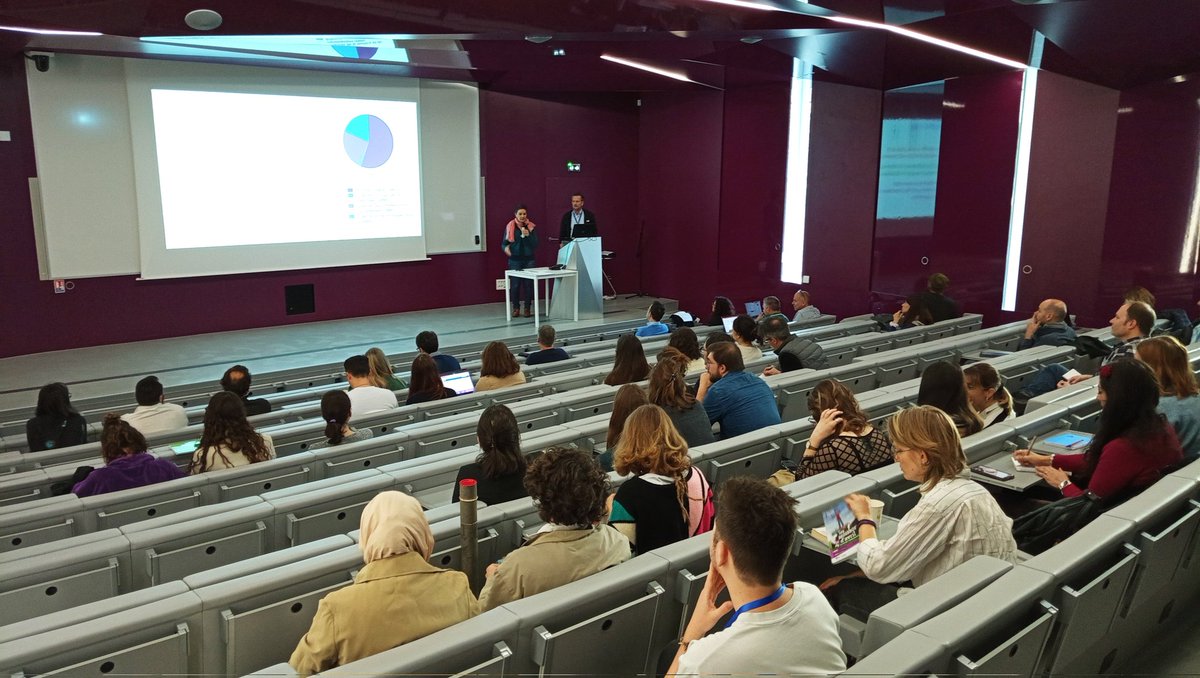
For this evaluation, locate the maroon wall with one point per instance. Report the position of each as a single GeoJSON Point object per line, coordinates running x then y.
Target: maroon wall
{"type": "Point", "coordinates": [526, 143]}
{"type": "Point", "coordinates": [1155, 186]}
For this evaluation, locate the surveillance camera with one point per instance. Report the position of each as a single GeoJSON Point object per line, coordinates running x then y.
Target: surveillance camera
{"type": "Point", "coordinates": [41, 60]}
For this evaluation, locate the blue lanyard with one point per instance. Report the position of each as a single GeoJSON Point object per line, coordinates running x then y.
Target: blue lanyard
{"type": "Point", "coordinates": [755, 604]}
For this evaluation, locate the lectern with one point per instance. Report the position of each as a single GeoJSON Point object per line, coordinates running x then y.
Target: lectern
{"type": "Point", "coordinates": [582, 255]}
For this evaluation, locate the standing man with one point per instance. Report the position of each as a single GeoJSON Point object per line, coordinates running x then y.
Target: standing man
{"type": "Point", "coordinates": [577, 222]}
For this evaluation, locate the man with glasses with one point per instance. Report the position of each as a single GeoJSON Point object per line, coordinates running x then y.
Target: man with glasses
{"type": "Point", "coordinates": [737, 400]}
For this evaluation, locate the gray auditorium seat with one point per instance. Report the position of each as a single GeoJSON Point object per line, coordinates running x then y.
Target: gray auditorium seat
{"type": "Point", "coordinates": [586, 402]}
{"type": "Point", "coordinates": [323, 508]}
{"type": "Point", "coordinates": [860, 639]}
{"type": "Point", "coordinates": [1002, 629]}
{"type": "Point", "coordinates": [909, 654]}
{"type": "Point", "coordinates": [253, 480]}
{"type": "Point", "coordinates": [79, 614]}
{"type": "Point", "coordinates": [172, 547]}
{"type": "Point", "coordinates": [149, 640]}
{"type": "Point", "coordinates": [757, 454]}
{"type": "Point", "coordinates": [339, 460]}
{"type": "Point", "coordinates": [57, 576]}
{"type": "Point", "coordinates": [39, 522]}
{"type": "Point", "coordinates": [573, 628]}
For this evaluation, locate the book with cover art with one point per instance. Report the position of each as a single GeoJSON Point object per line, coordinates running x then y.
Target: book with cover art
{"type": "Point", "coordinates": [838, 532]}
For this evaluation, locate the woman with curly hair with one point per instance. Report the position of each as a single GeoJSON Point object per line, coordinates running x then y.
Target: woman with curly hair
{"type": "Point", "coordinates": [722, 308]}
{"type": "Point", "coordinates": [843, 439]}
{"type": "Point", "coordinates": [669, 391]}
{"type": "Point", "coordinates": [499, 469]}
{"type": "Point", "coordinates": [126, 463]}
{"type": "Point", "coordinates": [685, 341]}
{"type": "Point", "coordinates": [630, 364]}
{"type": "Point", "coordinates": [665, 501]}
{"type": "Point", "coordinates": [228, 440]}
{"type": "Point", "coordinates": [569, 490]}
{"type": "Point", "coordinates": [499, 368]}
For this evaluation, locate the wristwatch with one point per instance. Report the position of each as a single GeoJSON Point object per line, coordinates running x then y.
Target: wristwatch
{"type": "Point", "coordinates": [1063, 484]}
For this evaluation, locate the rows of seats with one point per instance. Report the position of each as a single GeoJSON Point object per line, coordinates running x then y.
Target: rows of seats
{"type": "Point", "coordinates": [298, 404]}
{"type": "Point", "coordinates": [895, 489]}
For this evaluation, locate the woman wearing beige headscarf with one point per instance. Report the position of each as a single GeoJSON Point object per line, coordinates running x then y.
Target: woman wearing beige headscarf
{"type": "Point", "coordinates": [397, 596]}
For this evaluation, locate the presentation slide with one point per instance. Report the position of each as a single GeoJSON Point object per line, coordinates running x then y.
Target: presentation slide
{"type": "Point", "coordinates": [238, 169]}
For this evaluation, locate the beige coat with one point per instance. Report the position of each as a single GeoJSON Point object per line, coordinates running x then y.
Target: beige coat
{"type": "Point", "coordinates": [490, 383]}
{"type": "Point", "coordinates": [391, 602]}
{"type": "Point", "coordinates": [552, 559]}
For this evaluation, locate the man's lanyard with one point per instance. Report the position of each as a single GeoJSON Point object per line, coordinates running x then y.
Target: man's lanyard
{"type": "Point", "coordinates": [755, 604]}
{"type": "Point", "coordinates": [577, 218]}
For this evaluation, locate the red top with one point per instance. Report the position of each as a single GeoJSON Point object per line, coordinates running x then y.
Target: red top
{"type": "Point", "coordinates": [1123, 464]}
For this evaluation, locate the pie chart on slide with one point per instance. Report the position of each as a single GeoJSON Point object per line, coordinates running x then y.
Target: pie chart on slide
{"type": "Point", "coordinates": [368, 141]}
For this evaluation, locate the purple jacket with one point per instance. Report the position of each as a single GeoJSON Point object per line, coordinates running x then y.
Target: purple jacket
{"type": "Point", "coordinates": [127, 472]}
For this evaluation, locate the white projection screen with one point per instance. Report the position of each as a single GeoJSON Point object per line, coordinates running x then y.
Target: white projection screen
{"type": "Point", "coordinates": [232, 169]}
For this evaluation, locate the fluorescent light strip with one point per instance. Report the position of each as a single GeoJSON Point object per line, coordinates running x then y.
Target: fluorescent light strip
{"type": "Point", "coordinates": [1189, 258]}
{"type": "Point", "coordinates": [908, 33]}
{"type": "Point", "coordinates": [45, 31]}
{"type": "Point", "coordinates": [795, 203]}
{"type": "Point", "coordinates": [1016, 223]}
{"type": "Point", "coordinates": [674, 75]}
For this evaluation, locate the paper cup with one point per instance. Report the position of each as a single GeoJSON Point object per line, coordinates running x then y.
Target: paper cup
{"type": "Point", "coordinates": [876, 510]}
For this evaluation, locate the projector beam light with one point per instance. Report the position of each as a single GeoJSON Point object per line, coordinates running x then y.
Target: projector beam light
{"type": "Point", "coordinates": [674, 75]}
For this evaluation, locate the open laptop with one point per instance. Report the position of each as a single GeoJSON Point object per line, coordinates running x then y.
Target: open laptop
{"type": "Point", "coordinates": [753, 308]}
{"type": "Point", "coordinates": [459, 382]}
{"type": "Point", "coordinates": [728, 321]}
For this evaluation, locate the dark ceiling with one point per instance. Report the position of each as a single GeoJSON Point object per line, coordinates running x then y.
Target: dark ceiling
{"type": "Point", "coordinates": [1115, 43]}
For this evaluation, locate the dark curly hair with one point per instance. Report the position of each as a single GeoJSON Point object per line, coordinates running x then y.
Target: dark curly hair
{"type": "Point", "coordinates": [685, 340]}
{"type": "Point", "coordinates": [118, 439]}
{"type": "Point", "coordinates": [568, 486]}
{"type": "Point", "coordinates": [225, 425]}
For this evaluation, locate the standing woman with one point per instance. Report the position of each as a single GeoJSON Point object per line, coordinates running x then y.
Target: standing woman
{"type": "Point", "coordinates": [520, 243]}
{"type": "Point", "coordinates": [228, 440]}
{"type": "Point", "coordinates": [56, 423]}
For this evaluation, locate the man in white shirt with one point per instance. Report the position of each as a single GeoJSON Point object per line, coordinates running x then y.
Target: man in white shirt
{"type": "Point", "coordinates": [776, 629]}
{"type": "Point", "coordinates": [152, 414]}
{"type": "Point", "coordinates": [801, 302]}
{"type": "Point", "coordinates": [365, 398]}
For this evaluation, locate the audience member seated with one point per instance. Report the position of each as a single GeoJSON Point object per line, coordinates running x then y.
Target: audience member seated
{"type": "Point", "coordinates": [152, 414]}
{"type": "Point", "coordinates": [1139, 293]}
{"type": "Point", "coordinates": [499, 470]}
{"type": "Point", "coordinates": [955, 519]}
{"type": "Point", "coordinates": [986, 393]}
{"type": "Point", "coordinates": [654, 325]}
{"type": "Point", "coordinates": [1179, 400]}
{"type": "Point", "coordinates": [630, 364]}
{"type": "Point", "coordinates": [843, 439]}
{"type": "Point", "coordinates": [745, 333]}
{"type": "Point", "coordinates": [716, 337]}
{"type": "Point", "coordinates": [55, 423]}
{"type": "Point", "coordinates": [498, 368]}
{"type": "Point", "coordinates": [546, 353]}
{"type": "Point", "coordinates": [425, 383]}
{"type": "Point", "coordinates": [629, 397]}
{"type": "Point", "coordinates": [669, 391]}
{"type": "Point", "coordinates": [801, 302]}
{"type": "Point", "coordinates": [1131, 324]}
{"type": "Point", "coordinates": [1048, 326]}
{"type": "Point", "coordinates": [665, 500]}
{"type": "Point", "coordinates": [570, 491]}
{"type": "Point", "coordinates": [364, 397]}
{"type": "Point", "coordinates": [1134, 445]}
{"type": "Point", "coordinates": [237, 380]}
{"type": "Point", "coordinates": [941, 307]}
{"type": "Point", "coordinates": [912, 313]}
{"type": "Point", "coordinates": [427, 343]}
{"type": "Point", "coordinates": [336, 408]}
{"type": "Point", "coordinates": [775, 630]}
{"type": "Point", "coordinates": [126, 462]}
{"type": "Point", "coordinates": [737, 400]}
{"type": "Point", "coordinates": [381, 371]}
{"type": "Point", "coordinates": [685, 341]}
{"type": "Point", "coordinates": [228, 439]}
{"type": "Point", "coordinates": [722, 308]}
{"type": "Point", "coordinates": [397, 597]}
{"type": "Point", "coordinates": [794, 352]}
{"type": "Point", "coordinates": [944, 387]}
{"type": "Point", "coordinates": [772, 308]}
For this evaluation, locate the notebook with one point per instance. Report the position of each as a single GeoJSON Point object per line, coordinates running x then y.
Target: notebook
{"type": "Point", "coordinates": [459, 382]}
{"type": "Point", "coordinates": [839, 522]}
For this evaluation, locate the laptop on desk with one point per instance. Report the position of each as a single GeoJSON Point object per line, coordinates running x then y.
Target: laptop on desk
{"type": "Point", "coordinates": [459, 382]}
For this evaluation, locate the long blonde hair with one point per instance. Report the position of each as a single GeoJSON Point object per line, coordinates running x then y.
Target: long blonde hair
{"type": "Point", "coordinates": [650, 443]}
{"type": "Point", "coordinates": [380, 369]}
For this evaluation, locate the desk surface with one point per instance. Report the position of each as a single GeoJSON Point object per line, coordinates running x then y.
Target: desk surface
{"type": "Point", "coordinates": [886, 530]}
{"type": "Point", "coordinates": [541, 272]}
{"type": "Point", "coordinates": [1022, 480]}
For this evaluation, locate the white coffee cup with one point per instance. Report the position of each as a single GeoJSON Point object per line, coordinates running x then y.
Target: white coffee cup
{"type": "Point", "coordinates": [876, 510]}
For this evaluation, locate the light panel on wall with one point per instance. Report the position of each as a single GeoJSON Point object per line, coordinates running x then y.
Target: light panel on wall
{"type": "Point", "coordinates": [791, 255]}
{"type": "Point", "coordinates": [1189, 257]}
{"type": "Point", "coordinates": [1016, 223]}
{"type": "Point", "coordinates": [929, 39]}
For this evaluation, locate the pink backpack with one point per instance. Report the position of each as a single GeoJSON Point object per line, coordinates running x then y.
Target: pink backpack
{"type": "Point", "coordinates": [702, 510]}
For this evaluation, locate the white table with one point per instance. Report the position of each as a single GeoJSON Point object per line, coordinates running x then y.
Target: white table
{"type": "Point", "coordinates": [539, 274]}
